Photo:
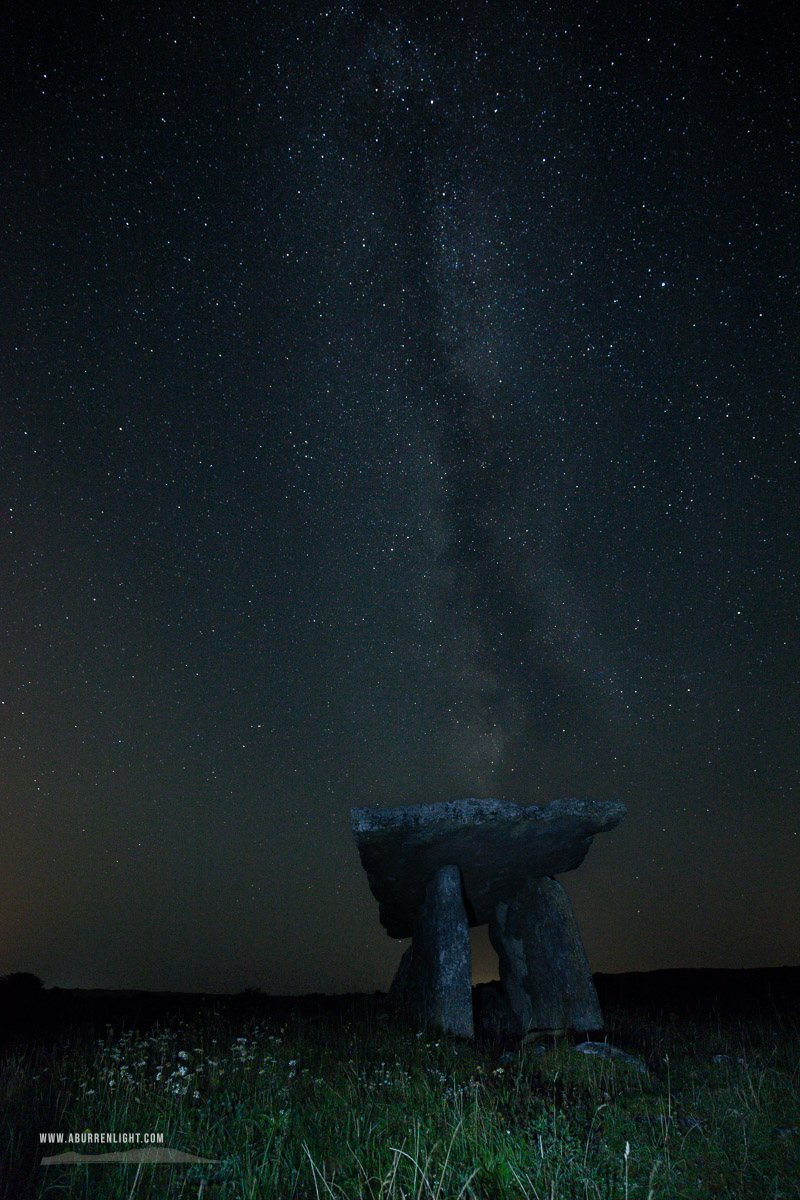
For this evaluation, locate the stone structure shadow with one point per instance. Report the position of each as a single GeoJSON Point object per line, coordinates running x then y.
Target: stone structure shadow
{"type": "Point", "coordinates": [437, 869]}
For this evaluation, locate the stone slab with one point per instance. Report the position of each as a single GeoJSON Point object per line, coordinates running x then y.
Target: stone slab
{"type": "Point", "coordinates": [543, 966]}
{"type": "Point", "coordinates": [433, 985]}
{"type": "Point", "coordinates": [497, 845]}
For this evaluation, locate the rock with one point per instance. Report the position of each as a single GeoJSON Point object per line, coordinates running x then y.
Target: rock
{"type": "Point", "coordinates": [492, 1013]}
{"type": "Point", "coordinates": [543, 966]}
{"type": "Point", "coordinates": [433, 984]}
{"type": "Point", "coordinates": [603, 1050]}
{"type": "Point", "coordinates": [497, 845]}
{"type": "Point", "coordinates": [396, 997]}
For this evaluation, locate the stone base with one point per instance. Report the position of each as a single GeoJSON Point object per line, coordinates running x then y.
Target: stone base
{"type": "Point", "coordinates": [494, 1019]}
{"type": "Point", "coordinates": [543, 966]}
{"type": "Point", "coordinates": [433, 984]}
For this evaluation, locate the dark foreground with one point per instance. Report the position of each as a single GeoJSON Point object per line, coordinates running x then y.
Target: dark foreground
{"type": "Point", "coordinates": [330, 1097]}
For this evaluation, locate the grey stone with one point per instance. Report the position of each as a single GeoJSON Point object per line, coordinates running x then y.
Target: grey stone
{"type": "Point", "coordinates": [497, 845]}
{"type": "Point", "coordinates": [543, 966]}
{"type": "Point", "coordinates": [433, 984]}
{"type": "Point", "coordinates": [603, 1050]}
{"type": "Point", "coordinates": [493, 1016]}
{"type": "Point", "coordinates": [397, 996]}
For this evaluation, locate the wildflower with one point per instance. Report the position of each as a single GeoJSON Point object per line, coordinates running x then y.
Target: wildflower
{"type": "Point", "coordinates": [183, 1054]}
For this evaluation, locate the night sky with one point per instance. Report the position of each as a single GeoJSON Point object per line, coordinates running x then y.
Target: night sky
{"type": "Point", "coordinates": [398, 403]}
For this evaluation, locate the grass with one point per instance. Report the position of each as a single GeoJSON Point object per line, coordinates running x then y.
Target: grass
{"type": "Point", "coordinates": [352, 1104]}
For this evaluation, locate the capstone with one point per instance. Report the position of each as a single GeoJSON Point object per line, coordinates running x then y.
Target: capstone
{"type": "Point", "coordinates": [497, 845]}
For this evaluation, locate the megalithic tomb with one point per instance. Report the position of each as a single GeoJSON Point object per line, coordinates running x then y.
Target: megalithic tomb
{"type": "Point", "coordinates": [437, 869]}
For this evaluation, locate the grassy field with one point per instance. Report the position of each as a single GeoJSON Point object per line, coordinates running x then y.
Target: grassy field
{"type": "Point", "coordinates": [345, 1102]}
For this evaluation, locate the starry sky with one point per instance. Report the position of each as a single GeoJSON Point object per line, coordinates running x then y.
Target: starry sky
{"type": "Point", "coordinates": [398, 403]}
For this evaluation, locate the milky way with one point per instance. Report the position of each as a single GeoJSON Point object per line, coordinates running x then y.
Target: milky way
{"type": "Point", "coordinates": [398, 405]}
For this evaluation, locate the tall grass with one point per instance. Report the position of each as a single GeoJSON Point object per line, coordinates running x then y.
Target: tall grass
{"type": "Point", "coordinates": [355, 1105]}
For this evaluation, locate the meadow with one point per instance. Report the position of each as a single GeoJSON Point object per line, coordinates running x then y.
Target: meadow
{"type": "Point", "coordinates": [313, 1101]}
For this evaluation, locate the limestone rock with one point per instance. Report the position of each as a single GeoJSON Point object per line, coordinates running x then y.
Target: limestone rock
{"type": "Point", "coordinates": [543, 966]}
{"type": "Point", "coordinates": [494, 1019]}
{"type": "Point", "coordinates": [433, 984]}
{"type": "Point", "coordinates": [398, 995]}
{"type": "Point", "coordinates": [497, 845]}
{"type": "Point", "coordinates": [603, 1050]}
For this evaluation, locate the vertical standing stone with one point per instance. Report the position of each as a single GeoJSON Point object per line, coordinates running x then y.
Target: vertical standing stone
{"type": "Point", "coordinates": [543, 966]}
{"type": "Point", "coordinates": [433, 984]}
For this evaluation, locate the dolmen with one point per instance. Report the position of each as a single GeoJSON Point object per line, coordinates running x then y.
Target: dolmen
{"type": "Point", "coordinates": [437, 869]}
